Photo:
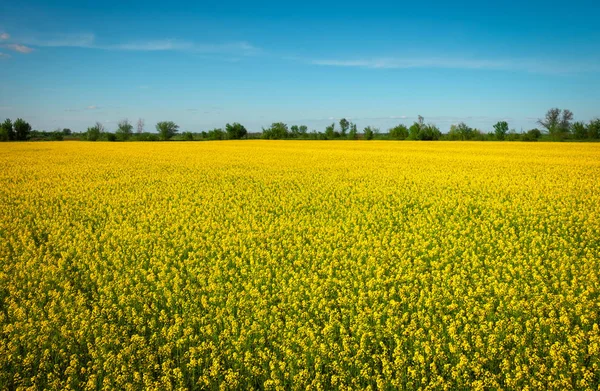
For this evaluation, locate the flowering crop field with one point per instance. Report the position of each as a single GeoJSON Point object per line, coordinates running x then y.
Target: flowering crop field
{"type": "Point", "coordinates": [300, 265]}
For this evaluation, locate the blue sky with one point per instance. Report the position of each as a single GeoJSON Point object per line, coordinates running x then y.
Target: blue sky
{"type": "Point", "coordinates": [203, 64]}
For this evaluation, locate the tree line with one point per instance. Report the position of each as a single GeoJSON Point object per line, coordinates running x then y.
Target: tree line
{"type": "Point", "coordinates": [557, 125]}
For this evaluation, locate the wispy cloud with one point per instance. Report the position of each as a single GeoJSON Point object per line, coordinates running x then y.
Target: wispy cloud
{"type": "Point", "coordinates": [4, 56]}
{"type": "Point", "coordinates": [526, 65]}
{"type": "Point", "coordinates": [92, 107]}
{"type": "Point", "coordinates": [84, 40]}
{"type": "Point", "coordinates": [4, 36]}
{"type": "Point", "coordinates": [150, 46]}
{"type": "Point", "coordinates": [19, 48]}
{"type": "Point", "coordinates": [89, 41]}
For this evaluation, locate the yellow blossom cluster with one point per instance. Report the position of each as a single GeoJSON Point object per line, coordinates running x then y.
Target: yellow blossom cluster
{"type": "Point", "coordinates": [299, 265]}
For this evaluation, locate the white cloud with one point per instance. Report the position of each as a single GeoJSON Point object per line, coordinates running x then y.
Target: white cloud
{"type": "Point", "coordinates": [19, 48]}
{"type": "Point", "coordinates": [150, 46]}
{"type": "Point", "coordinates": [4, 36]}
{"type": "Point", "coordinates": [4, 56]}
{"type": "Point", "coordinates": [88, 41]}
{"type": "Point", "coordinates": [63, 40]}
{"type": "Point", "coordinates": [92, 107]}
{"type": "Point", "coordinates": [527, 65]}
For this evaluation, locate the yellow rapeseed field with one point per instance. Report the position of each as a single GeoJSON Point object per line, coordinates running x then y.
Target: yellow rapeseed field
{"type": "Point", "coordinates": [301, 265]}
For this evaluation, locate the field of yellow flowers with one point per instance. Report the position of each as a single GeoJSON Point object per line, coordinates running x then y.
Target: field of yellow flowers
{"type": "Point", "coordinates": [300, 265]}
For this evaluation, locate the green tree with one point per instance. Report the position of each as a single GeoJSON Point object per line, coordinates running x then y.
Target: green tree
{"type": "Point", "coordinates": [330, 132]}
{"type": "Point", "coordinates": [66, 132]}
{"type": "Point", "coordinates": [593, 129]}
{"type": "Point", "coordinates": [557, 122]}
{"type": "Point", "coordinates": [235, 131]}
{"type": "Point", "coordinates": [500, 130]}
{"type": "Point", "coordinates": [353, 133]}
{"type": "Point", "coordinates": [95, 132]}
{"type": "Point", "coordinates": [21, 129]}
{"type": "Point", "coordinates": [579, 130]}
{"type": "Point", "coordinates": [216, 134]}
{"type": "Point", "coordinates": [167, 129]}
{"type": "Point", "coordinates": [429, 132]}
{"type": "Point", "coordinates": [463, 131]}
{"type": "Point", "coordinates": [368, 133]}
{"type": "Point", "coordinates": [303, 131]}
{"type": "Point", "coordinates": [294, 131]}
{"type": "Point", "coordinates": [344, 126]}
{"type": "Point", "coordinates": [399, 132]}
{"type": "Point", "coordinates": [531, 135]}
{"type": "Point", "coordinates": [7, 132]}
{"type": "Point", "coordinates": [124, 130]}
{"type": "Point", "coordinates": [278, 130]}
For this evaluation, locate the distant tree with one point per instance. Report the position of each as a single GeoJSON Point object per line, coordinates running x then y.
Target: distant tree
{"type": "Point", "coordinates": [557, 122]}
{"type": "Point", "coordinates": [429, 132]}
{"type": "Point", "coordinates": [579, 130]}
{"type": "Point", "coordinates": [95, 132]}
{"type": "Point", "coordinates": [124, 130]}
{"type": "Point", "coordinates": [531, 135]}
{"type": "Point", "coordinates": [21, 129]}
{"type": "Point", "coordinates": [187, 136]}
{"type": "Point", "coordinates": [303, 130]}
{"type": "Point", "coordinates": [235, 131]}
{"type": "Point", "coordinates": [330, 131]}
{"type": "Point", "coordinates": [344, 126]}
{"type": "Point", "coordinates": [414, 131]}
{"type": "Point", "coordinates": [368, 133]}
{"type": "Point", "coordinates": [110, 136]}
{"type": "Point", "coordinates": [593, 129]}
{"type": "Point", "coordinates": [66, 132]}
{"type": "Point", "coordinates": [278, 130]}
{"type": "Point", "coordinates": [500, 130]}
{"type": "Point", "coordinates": [465, 132]}
{"type": "Point", "coordinates": [216, 134]}
{"type": "Point", "coordinates": [57, 135]}
{"type": "Point", "coordinates": [294, 131]}
{"type": "Point", "coordinates": [353, 133]}
{"type": "Point", "coordinates": [140, 126]}
{"type": "Point", "coordinates": [7, 132]}
{"type": "Point", "coordinates": [399, 132]}
{"type": "Point", "coordinates": [166, 129]}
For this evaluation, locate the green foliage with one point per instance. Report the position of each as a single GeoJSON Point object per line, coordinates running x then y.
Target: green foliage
{"type": "Point", "coordinates": [353, 133]}
{"type": "Point", "coordinates": [512, 135]}
{"type": "Point", "coordinates": [124, 130]}
{"type": "Point", "coordinates": [429, 132]}
{"type": "Point", "coordinates": [235, 131]}
{"type": "Point", "coordinates": [399, 132]}
{"type": "Point", "coordinates": [7, 131]}
{"type": "Point", "coordinates": [460, 132]}
{"type": "Point", "coordinates": [110, 136]}
{"type": "Point", "coordinates": [330, 132]}
{"type": "Point", "coordinates": [344, 126]}
{"type": "Point", "coordinates": [593, 129]}
{"type": "Point", "coordinates": [420, 131]}
{"type": "Point", "coordinates": [216, 134]}
{"type": "Point", "coordinates": [187, 136]}
{"type": "Point", "coordinates": [21, 129]}
{"type": "Point", "coordinates": [277, 131]}
{"type": "Point", "coordinates": [95, 132]}
{"type": "Point", "coordinates": [579, 130]}
{"type": "Point", "coordinates": [166, 129]}
{"type": "Point", "coordinates": [531, 135]}
{"type": "Point", "coordinates": [146, 136]}
{"type": "Point", "coordinates": [368, 133]}
{"type": "Point", "coordinates": [500, 130]}
{"type": "Point", "coordinates": [557, 122]}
